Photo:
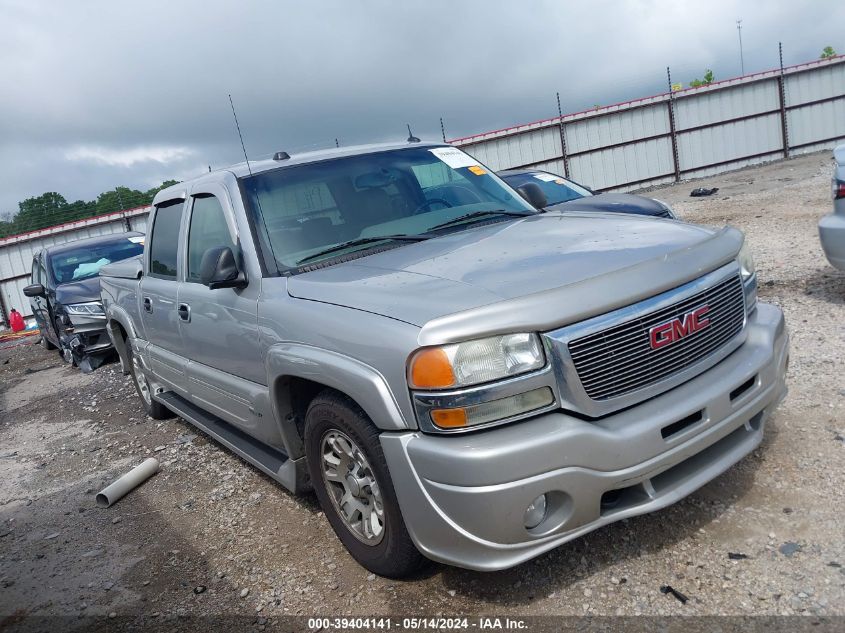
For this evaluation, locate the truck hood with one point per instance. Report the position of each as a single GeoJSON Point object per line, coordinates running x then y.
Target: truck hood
{"type": "Point", "coordinates": [78, 291]}
{"type": "Point", "coordinates": [495, 263]}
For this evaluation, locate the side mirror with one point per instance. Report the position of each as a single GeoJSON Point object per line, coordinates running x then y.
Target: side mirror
{"type": "Point", "coordinates": [219, 269]}
{"type": "Point", "coordinates": [533, 195]}
{"type": "Point", "coordinates": [34, 290]}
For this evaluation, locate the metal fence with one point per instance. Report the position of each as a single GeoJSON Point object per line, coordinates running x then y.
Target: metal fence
{"type": "Point", "coordinates": [685, 134]}
{"type": "Point", "coordinates": [16, 252]}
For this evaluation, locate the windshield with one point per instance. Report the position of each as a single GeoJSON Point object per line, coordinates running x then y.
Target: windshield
{"type": "Point", "coordinates": [310, 208]}
{"type": "Point", "coordinates": [557, 189]}
{"type": "Point", "coordinates": [83, 263]}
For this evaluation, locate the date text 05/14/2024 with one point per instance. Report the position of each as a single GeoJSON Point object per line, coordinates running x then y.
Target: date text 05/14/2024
{"type": "Point", "coordinates": [416, 624]}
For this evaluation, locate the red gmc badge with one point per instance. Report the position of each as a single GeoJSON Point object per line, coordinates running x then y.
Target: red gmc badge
{"type": "Point", "coordinates": [678, 328]}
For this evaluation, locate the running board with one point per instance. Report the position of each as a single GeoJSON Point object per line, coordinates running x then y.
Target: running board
{"type": "Point", "coordinates": [292, 474]}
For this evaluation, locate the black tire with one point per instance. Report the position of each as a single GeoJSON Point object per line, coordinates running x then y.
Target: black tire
{"type": "Point", "coordinates": [395, 555]}
{"type": "Point", "coordinates": [61, 347]}
{"type": "Point", "coordinates": [46, 344]}
{"type": "Point", "coordinates": [153, 408]}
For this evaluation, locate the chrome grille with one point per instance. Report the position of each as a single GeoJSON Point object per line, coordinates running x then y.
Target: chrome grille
{"type": "Point", "coordinates": [619, 359]}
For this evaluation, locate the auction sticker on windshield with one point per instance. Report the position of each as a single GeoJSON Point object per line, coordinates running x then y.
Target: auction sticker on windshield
{"type": "Point", "coordinates": [455, 158]}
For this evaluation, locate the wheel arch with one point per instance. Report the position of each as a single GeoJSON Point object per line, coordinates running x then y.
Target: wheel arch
{"type": "Point", "coordinates": [120, 330]}
{"type": "Point", "coordinates": [297, 373]}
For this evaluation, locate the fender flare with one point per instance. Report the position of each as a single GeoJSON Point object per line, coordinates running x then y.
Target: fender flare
{"type": "Point", "coordinates": [116, 314]}
{"type": "Point", "coordinates": [364, 384]}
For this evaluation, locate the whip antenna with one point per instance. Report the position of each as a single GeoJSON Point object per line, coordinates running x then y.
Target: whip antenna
{"type": "Point", "coordinates": [237, 125]}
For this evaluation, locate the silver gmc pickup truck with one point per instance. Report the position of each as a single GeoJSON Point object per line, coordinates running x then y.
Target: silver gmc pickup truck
{"type": "Point", "coordinates": [458, 375]}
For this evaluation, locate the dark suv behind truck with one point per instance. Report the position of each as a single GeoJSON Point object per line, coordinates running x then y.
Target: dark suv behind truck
{"type": "Point", "coordinates": [65, 294]}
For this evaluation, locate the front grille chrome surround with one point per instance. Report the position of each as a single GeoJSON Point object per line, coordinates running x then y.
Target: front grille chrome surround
{"type": "Point", "coordinates": [606, 363]}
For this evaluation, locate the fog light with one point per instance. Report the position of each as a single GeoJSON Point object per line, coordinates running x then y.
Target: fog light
{"type": "Point", "coordinates": [535, 512]}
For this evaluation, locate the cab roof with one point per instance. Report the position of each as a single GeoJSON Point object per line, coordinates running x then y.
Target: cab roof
{"type": "Point", "coordinates": [241, 170]}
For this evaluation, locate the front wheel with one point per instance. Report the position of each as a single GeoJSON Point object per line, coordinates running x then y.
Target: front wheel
{"type": "Point", "coordinates": [156, 410]}
{"type": "Point", "coordinates": [45, 343]}
{"type": "Point", "coordinates": [352, 483]}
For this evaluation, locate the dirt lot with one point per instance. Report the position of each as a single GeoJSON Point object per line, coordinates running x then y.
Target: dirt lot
{"type": "Point", "coordinates": [212, 535]}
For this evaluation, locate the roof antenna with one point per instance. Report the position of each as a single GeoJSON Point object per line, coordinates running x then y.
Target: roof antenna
{"type": "Point", "coordinates": [237, 125]}
{"type": "Point", "coordinates": [411, 137]}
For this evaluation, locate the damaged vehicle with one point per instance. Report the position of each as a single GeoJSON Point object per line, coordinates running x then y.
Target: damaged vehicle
{"type": "Point", "coordinates": [458, 375]}
{"type": "Point", "coordinates": [65, 295]}
{"type": "Point", "coordinates": [544, 189]}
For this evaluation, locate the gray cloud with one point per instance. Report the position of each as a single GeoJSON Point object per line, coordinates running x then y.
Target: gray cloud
{"type": "Point", "coordinates": [99, 94]}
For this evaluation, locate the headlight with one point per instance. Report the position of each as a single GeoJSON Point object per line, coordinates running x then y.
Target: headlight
{"type": "Point", "coordinates": [94, 308]}
{"type": "Point", "coordinates": [746, 263]}
{"type": "Point", "coordinates": [667, 208]}
{"type": "Point", "coordinates": [474, 362]}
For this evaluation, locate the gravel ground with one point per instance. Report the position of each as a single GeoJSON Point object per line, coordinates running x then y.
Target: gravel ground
{"type": "Point", "coordinates": [211, 535]}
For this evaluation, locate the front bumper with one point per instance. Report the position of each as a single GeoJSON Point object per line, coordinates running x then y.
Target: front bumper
{"type": "Point", "coordinates": [832, 236]}
{"type": "Point", "coordinates": [463, 497]}
{"type": "Point", "coordinates": [86, 334]}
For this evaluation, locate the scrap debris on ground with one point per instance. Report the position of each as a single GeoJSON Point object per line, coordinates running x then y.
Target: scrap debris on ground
{"type": "Point", "coordinates": [211, 535]}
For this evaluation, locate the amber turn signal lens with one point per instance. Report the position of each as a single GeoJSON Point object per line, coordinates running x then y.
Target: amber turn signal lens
{"type": "Point", "coordinates": [430, 368]}
{"type": "Point", "coordinates": [449, 418]}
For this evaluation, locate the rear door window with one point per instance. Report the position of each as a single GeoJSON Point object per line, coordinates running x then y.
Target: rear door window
{"type": "Point", "coordinates": [164, 239]}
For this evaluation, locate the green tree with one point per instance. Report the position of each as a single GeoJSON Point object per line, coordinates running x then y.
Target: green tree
{"type": "Point", "coordinates": [167, 183]}
{"type": "Point", "coordinates": [120, 198]}
{"type": "Point", "coordinates": [708, 79]}
{"type": "Point", "coordinates": [50, 209]}
{"type": "Point", "coordinates": [827, 53]}
{"type": "Point", "coordinates": [34, 213]}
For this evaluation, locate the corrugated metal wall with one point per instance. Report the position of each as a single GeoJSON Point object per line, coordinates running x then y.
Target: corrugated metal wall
{"type": "Point", "coordinates": [691, 133]}
{"type": "Point", "coordinates": [822, 117]}
{"type": "Point", "coordinates": [16, 252]}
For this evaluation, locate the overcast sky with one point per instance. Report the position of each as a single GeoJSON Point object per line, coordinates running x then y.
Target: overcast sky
{"type": "Point", "coordinates": [100, 94]}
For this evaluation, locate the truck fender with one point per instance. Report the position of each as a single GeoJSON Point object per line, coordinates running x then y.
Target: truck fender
{"type": "Point", "coordinates": [116, 315]}
{"type": "Point", "coordinates": [362, 383]}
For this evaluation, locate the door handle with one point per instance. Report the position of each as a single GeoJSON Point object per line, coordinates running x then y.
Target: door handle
{"type": "Point", "coordinates": [148, 304]}
{"type": "Point", "coordinates": [184, 311]}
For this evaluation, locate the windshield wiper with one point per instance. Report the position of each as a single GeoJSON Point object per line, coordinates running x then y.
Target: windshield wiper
{"type": "Point", "coordinates": [361, 241]}
{"type": "Point", "coordinates": [479, 214]}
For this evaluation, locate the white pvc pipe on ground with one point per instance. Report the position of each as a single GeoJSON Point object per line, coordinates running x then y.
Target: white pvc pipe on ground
{"type": "Point", "coordinates": [135, 477]}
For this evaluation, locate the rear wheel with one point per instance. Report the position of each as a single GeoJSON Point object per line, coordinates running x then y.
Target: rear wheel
{"type": "Point", "coordinates": [352, 482]}
{"type": "Point", "coordinates": [153, 408]}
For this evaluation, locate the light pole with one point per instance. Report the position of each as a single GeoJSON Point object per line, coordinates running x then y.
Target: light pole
{"type": "Point", "coordinates": [741, 60]}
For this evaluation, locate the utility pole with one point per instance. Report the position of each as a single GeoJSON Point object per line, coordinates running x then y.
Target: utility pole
{"type": "Point", "coordinates": [741, 60]}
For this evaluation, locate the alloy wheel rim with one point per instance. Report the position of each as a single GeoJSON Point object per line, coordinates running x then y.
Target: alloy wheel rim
{"type": "Point", "coordinates": [141, 379]}
{"type": "Point", "coordinates": [352, 487]}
